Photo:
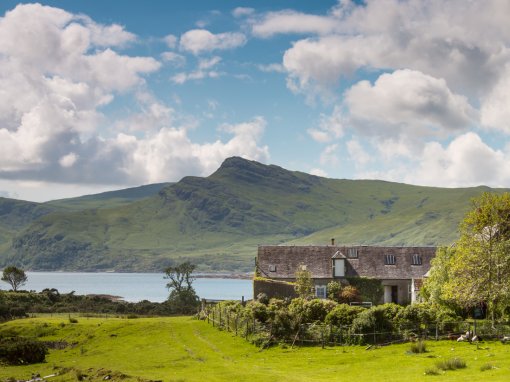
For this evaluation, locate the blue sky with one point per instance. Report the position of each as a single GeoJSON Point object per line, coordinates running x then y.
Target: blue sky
{"type": "Point", "coordinates": [100, 95]}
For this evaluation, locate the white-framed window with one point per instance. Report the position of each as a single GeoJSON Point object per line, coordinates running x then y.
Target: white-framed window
{"type": "Point", "coordinates": [320, 291]}
{"type": "Point", "coordinates": [352, 253]}
{"type": "Point", "coordinates": [272, 268]}
{"type": "Point", "coordinates": [390, 260]}
{"type": "Point", "coordinates": [417, 260]}
{"type": "Point", "coordinates": [338, 268]}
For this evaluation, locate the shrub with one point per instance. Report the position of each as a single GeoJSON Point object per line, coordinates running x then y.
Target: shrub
{"type": "Point", "coordinates": [334, 289]}
{"type": "Point", "coordinates": [343, 315]}
{"type": "Point", "coordinates": [378, 319]}
{"type": "Point", "coordinates": [451, 364]}
{"type": "Point", "coordinates": [431, 371]}
{"type": "Point", "coordinates": [418, 347]}
{"type": "Point", "coordinates": [487, 366]}
{"type": "Point", "coordinates": [257, 310]}
{"type": "Point", "coordinates": [19, 351]}
{"type": "Point", "coordinates": [415, 316]}
{"type": "Point", "coordinates": [317, 309]}
{"type": "Point", "coordinates": [350, 294]}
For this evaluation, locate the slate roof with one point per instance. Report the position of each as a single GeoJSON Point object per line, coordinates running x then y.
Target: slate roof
{"type": "Point", "coordinates": [282, 262]}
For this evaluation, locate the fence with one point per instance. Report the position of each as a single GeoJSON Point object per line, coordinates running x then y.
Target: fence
{"type": "Point", "coordinates": [302, 334]}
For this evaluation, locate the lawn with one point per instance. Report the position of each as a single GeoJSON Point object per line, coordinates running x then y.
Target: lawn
{"type": "Point", "coordinates": [184, 349]}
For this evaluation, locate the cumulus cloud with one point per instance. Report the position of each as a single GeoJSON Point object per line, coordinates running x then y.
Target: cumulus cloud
{"type": "Point", "coordinates": [205, 69]}
{"type": "Point", "coordinates": [495, 109]}
{"type": "Point", "coordinates": [173, 58]}
{"type": "Point", "coordinates": [329, 155]}
{"type": "Point", "coordinates": [197, 41]}
{"type": "Point", "coordinates": [357, 153]}
{"type": "Point", "coordinates": [318, 172]}
{"type": "Point", "coordinates": [54, 88]}
{"type": "Point", "coordinates": [405, 101]}
{"type": "Point", "coordinates": [466, 161]}
{"type": "Point", "coordinates": [463, 43]}
{"type": "Point", "coordinates": [170, 41]}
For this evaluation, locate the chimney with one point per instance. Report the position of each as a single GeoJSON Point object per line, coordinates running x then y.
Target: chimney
{"type": "Point", "coordinates": [333, 241]}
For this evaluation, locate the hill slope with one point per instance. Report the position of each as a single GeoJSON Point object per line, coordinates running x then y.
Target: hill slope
{"type": "Point", "coordinates": [218, 221]}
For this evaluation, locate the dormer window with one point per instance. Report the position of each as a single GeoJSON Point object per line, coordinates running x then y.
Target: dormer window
{"type": "Point", "coordinates": [352, 253]}
{"type": "Point", "coordinates": [390, 260]}
{"type": "Point", "coordinates": [272, 268]}
{"type": "Point", "coordinates": [417, 260]}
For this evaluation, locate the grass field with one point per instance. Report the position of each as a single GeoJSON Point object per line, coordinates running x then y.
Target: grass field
{"type": "Point", "coordinates": [183, 349]}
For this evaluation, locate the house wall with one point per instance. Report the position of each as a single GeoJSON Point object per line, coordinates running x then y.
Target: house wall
{"type": "Point", "coordinates": [273, 288]}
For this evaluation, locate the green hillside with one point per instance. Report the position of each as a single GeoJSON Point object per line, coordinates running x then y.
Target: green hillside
{"type": "Point", "coordinates": [108, 199]}
{"type": "Point", "coordinates": [218, 221]}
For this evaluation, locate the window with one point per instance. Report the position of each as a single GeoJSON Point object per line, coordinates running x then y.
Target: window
{"type": "Point", "coordinates": [352, 253]}
{"type": "Point", "coordinates": [338, 267]}
{"type": "Point", "coordinates": [272, 268]}
{"type": "Point", "coordinates": [417, 260]}
{"type": "Point", "coordinates": [303, 267]}
{"type": "Point", "coordinates": [320, 291]}
{"type": "Point", "coordinates": [390, 260]}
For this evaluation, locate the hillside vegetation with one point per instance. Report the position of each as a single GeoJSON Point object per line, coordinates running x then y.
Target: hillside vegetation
{"type": "Point", "coordinates": [184, 349]}
{"type": "Point", "coordinates": [218, 221]}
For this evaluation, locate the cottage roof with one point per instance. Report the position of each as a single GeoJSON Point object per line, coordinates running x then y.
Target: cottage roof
{"type": "Point", "coordinates": [282, 262]}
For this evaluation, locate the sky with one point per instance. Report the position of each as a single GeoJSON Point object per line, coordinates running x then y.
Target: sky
{"type": "Point", "coordinates": [102, 95]}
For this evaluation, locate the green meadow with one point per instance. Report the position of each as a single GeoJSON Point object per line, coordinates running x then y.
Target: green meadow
{"type": "Point", "coordinates": [185, 349]}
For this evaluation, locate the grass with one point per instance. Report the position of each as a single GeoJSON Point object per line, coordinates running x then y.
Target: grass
{"type": "Point", "coordinates": [183, 349]}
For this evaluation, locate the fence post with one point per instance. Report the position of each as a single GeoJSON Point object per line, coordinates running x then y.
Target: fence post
{"type": "Point", "coordinates": [213, 317]}
{"type": "Point", "coordinates": [228, 321]}
{"type": "Point", "coordinates": [437, 331]}
{"type": "Point", "coordinates": [219, 325]}
{"type": "Point", "coordinates": [322, 336]}
{"type": "Point", "coordinates": [236, 323]}
{"type": "Point", "coordinates": [246, 331]}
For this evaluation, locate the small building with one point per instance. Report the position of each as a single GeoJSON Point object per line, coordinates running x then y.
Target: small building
{"type": "Point", "coordinates": [399, 269]}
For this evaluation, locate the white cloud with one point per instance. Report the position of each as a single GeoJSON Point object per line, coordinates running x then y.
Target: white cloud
{"type": "Point", "coordinates": [175, 59]}
{"type": "Point", "coordinates": [68, 160]}
{"type": "Point", "coordinates": [466, 161]}
{"type": "Point", "coordinates": [495, 109]}
{"type": "Point", "coordinates": [242, 12]}
{"type": "Point", "coordinates": [289, 21]}
{"type": "Point", "coordinates": [464, 43]}
{"type": "Point", "coordinates": [53, 89]}
{"type": "Point", "coordinates": [329, 155]}
{"type": "Point", "coordinates": [331, 127]}
{"type": "Point", "coordinates": [197, 41]}
{"type": "Point", "coordinates": [357, 153]}
{"type": "Point", "coordinates": [276, 68]}
{"type": "Point", "coordinates": [170, 41]}
{"type": "Point", "coordinates": [318, 172]}
{"type": "Point", "coordinates": [408, 102]}
{"type": "Point", "coordinates": [205, 69]}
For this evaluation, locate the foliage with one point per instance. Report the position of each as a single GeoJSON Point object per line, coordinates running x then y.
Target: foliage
{"type": "Point", "coordinates": [19, 350]}
{"type": "Point", "coordinates": [317, 309]}
{"type": "Point", "coordinates": [343, 315]}
{"type": "Point", "coordinates": [183, 298]}
{"type": "Point", "coordinates": [479, 270]}
{"type": "Point", "coordinates": [304, 285]}
{"type": "Point", "coordinates": [378, 319]}
{"type": "Point", "coordinates": [334, 289]}
{"type": "Point", "coordinates": [415, 316]}
{"type": "Point", "coordinates": [370, 289]}
{"type": "Point", "coordinates": [14, 276]}
{"type": "Point", "coordinates": [350, 294]}
{"type": "Point", "coordinates": [257, 311]}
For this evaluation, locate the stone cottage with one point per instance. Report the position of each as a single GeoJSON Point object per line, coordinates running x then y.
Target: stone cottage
{"type": "Point", "coordinates": [399, 269]}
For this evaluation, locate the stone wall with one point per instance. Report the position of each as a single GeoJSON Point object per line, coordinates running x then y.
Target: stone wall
{"type": "Point", "coordinates": [273, 288]}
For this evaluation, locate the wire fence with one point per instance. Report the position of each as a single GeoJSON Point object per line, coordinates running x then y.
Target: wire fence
{"type": "Point", "coordinates": [296, 333]}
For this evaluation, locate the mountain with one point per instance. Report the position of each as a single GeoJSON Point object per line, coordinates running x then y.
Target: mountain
{"type": "Point", "coordinates": [108, 199]}
{"type": "Point", "coordinates": [217, 221]}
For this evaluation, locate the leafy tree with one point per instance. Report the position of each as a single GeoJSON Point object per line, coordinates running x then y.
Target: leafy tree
{"type": "Point", "coordinates": [434, 287]}
{"type": "Point", "coordinates": [334, 290]}
{"type": "Point", "coordinates": [15, 277]}
{"type": "Point", "coordinates": [183, 298]}
{"type": "Point", "coordinates": [479, 271]}
{"type": "Point", "coordinates": [304, 285]}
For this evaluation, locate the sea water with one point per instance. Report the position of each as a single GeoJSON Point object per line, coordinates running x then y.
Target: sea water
{"type": "Point", "coordinates": [134, 287]}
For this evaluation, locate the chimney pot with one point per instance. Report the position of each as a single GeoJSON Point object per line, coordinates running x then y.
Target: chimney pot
{"type": "Point", "coordinates": [333, 241]}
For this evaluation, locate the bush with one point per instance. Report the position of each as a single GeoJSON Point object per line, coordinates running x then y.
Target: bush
{"type": "Point", "coordinates": [20, 351]}
{"type": "Point", "coordinates": [451, 364]}
{"type": "Point", "coordinates": [415, 316]}
{"type": "Point", "coordinates": [257, 310]}
{"type": "Point", "coordinates": [378, 319]}
{"type": "Point", "coordinates": [316, 310]}
{"type": "Point", "coordinates": [418, 347]}
{"type": "Point", "coordinates": [343, 315]}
